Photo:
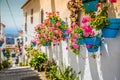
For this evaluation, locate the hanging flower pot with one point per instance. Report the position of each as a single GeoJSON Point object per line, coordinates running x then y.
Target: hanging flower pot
{"type": "Point", "coordinates": [47, 44]}
{"type": "Point", "coordinates": [111, 30]}
{"type": "Point", "coordinates": [92, 48]}
{"type": "Point", "coordinates": [1, 44]}
{"type": "Point", "coordinates": [34, 44]}
{"type": "Point", "coordinates": [4, 53]}
{"type": "Point", "coordinates": [90, 5]}
{"type": "Point", "coordinates": [93, 43]}
{"type": "Point", "coordinates": [93, 40]}
{"type": "Point", "coordinates": [65, 34]}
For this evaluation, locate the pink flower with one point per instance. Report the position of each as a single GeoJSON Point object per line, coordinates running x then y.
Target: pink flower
{"type": "Point", "coordinates": [88, 46]}
{"type": "Point", "coordinates": [85, 19]}
{"type": "Point", "coordinates": [76, 35]}
{"type": "Point", "coordinates": [58, 23]}
{"type": "Point", "coordinates": [51, 28]}
{"type": "Point", "coordinates": [56, 31]}
{"type": "Point", "coordinates": [66, 48]}
{"type": "Point", "coordinates": [54, 37]}
{"type": "Point", "coordinates": [37, 42]}
{"type": "Point", "coordinates": [93, 34]}
{"type": "Point", "coordinates": [85, 34]}
{"type": "Point", "coordinates": [113, 1]}
{"type": "Point", "coordinates": [88, 29]}
{"type": "Point", "coordinates": [98, 5]}
{"type": "Point", "coordinates": [73, 40]}
{"type": "Point", "coordinates": [74, 25]}
{"type": "Point", "coordinates": [69, 30]}
{"type": "Point", "coordinates": [75, 46]}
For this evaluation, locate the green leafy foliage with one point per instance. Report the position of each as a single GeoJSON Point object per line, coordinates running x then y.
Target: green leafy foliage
{"type": "Point", "coordinates": [1, 66]}
{"type": "Point", "coordinates": [5, 64]}
{"type": "Point", "coordinates": [38, 60]}
{"type": "Point", "coordinates": [54, 72]}
{"type": "Point", "coordinates": [100, 22]}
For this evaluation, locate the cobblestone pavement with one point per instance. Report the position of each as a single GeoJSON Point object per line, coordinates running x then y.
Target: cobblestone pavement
{"type": "Point", "coordinates": [19, 73]}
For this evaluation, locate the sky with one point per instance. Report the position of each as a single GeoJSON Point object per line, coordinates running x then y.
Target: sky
{"type": "Point", "coordinates": [6, 18]}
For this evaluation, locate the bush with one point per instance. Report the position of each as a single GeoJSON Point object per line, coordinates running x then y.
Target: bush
{"type": "Point", "coordinates": [1, 66]}
{"type": "Point", "coordinates": [38, 60]}
{"type": "Point", "coordinates": [54, 72]}
{"type": "Point", "coordinates": [20, 64]}
{"type": "Point", "coordinates": [5, 64]}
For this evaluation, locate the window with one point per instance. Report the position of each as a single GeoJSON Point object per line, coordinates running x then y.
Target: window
{"type": "Point", "coordinates": [42, 15]}
{"type": "Point", "coordinates": [25, 27]}
{"type": "Point", "coordinates": [31, 16]}
{"type": "Point", "coordinates": [25, 39]}
{"type": "Point", "coordinates": [25, 17]}
{"type": "Point", "coordinates": [25, 22]}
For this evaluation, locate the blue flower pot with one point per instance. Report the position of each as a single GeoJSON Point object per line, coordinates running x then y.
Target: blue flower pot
{"type": "Point", "coordinates": [1, 44]}
{"type": "Point", "coordinates": [111, 30]}
{"type": "Point", "coordinates": [4, 53]}
{"type": "Point", "coordinates": [65, 35]}
{"type": "Point", "coordinates": [92, 49]}
{"type": "Point", "coordinates": [46, 44]}
{"type": "Point", "coordinates": [90, 5]}
{"type": "Point", "coordinates": [93, 40]}
{"type": "Point", "coordinates": [80, 41]}
{"type": "Point", "coordinates": [34, 44]}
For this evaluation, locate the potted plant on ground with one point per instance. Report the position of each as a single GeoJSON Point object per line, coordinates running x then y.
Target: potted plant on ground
{"type": "Point", "coordinates": [38, 60]}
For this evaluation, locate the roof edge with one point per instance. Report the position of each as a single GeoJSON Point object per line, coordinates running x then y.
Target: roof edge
{"type": "Point", "coordinates": [1, 24]}
{"type": "Point", "coordinates": [25, 4]}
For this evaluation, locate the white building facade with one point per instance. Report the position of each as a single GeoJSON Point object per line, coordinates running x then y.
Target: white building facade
{"type": "Point", "coordinates": [107, 64]}
{"type": "Point", "coordinates": [2, 35]}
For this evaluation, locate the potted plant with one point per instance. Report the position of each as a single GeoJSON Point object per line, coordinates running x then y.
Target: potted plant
{"type": "Point", "coordinates": [109, 26]}
{"type": "Point", "coordinates": [53, 29]}
{"type": "Point", "coordinates": [33, 42]}
{"type": "Point", "coordinates": [3, 51]}
{"type": "Point", "coordinates": [91, 38]}
{"type": "Point", "coordinates": [77, 34]}
{"type": "Point", "coordinates": [90, 5]}
{"type": "Point", "coordinates": [38, 60]}
{"type": "Point", "coordinates": [1, 41]}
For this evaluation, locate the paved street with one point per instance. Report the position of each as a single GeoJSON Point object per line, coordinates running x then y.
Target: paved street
{"type": "Point", "coordinates": [19, 73]}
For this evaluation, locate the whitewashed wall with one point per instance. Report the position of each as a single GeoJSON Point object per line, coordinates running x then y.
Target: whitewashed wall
{"type": "Point", "coordinates": [105, 67]}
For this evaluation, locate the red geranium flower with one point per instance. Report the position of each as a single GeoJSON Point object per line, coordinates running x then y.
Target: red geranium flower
{"type": "Point", "coordinates": [113, 1]}
{"type": "Point", "coordinates": [98, 5]}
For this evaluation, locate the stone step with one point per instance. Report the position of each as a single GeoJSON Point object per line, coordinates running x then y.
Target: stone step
{"type": "Point", "coordinates": [18, 73]}
{"type": "Point", "coordinates": [15, 71]}
{"type": "Point", "coordinates": [17, 77]}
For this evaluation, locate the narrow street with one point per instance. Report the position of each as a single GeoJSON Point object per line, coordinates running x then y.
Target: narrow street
{"type": "Point", "coordinates": [19, 73]}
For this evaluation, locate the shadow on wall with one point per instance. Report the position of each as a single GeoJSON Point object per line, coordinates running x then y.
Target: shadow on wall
{"type": "Point", "coordinates": [110, 64]}
{"type": "Point", "coordinates": [112, 11]}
